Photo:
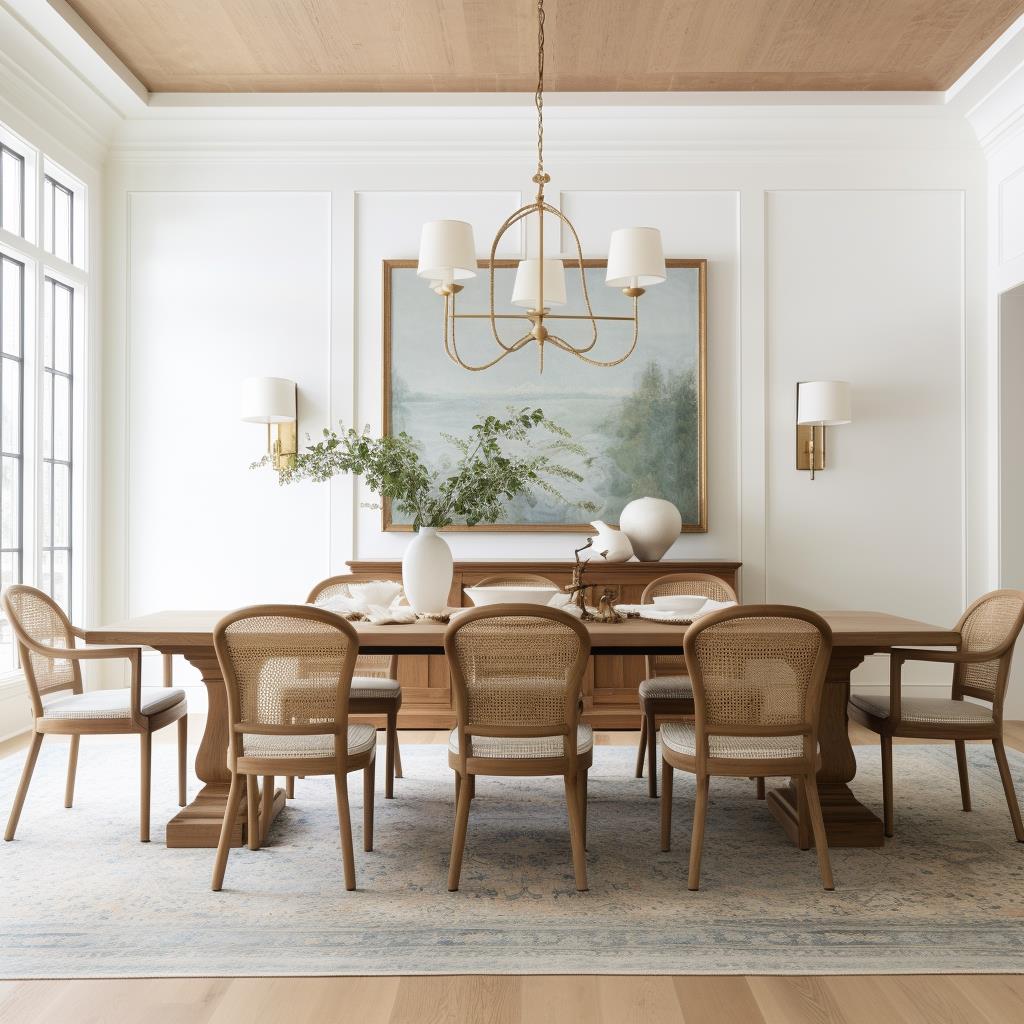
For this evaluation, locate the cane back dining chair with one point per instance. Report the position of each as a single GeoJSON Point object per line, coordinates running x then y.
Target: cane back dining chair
{"type": "Point", "coordinates": [981, 669]}
{"type": "Point", "coordinates": [277, 728]}
{"type": "Point", "coordinates": [375, 686]}
{"type": "Point", "coordinates": [517, 671]}
{"type": "Point", "coordinates": [757, 673]}
{"type": "Point", "coordinates": [666, 690]}
{"type": "Point", "coordinates": [51, 661]}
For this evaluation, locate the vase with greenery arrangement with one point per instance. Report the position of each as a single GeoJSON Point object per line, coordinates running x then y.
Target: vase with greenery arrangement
{"type": "Point", "coordinates": [501, 458]}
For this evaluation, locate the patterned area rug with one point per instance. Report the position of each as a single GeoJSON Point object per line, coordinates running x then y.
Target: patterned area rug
{"type": "Point", "coordinates": [82, 898]}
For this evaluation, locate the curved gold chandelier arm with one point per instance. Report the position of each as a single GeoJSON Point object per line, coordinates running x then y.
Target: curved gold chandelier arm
{"type": "Point", "coordinates": [560, 343]}
{"type": "Point", "coordinates": [521, 214]}
{"type": "Point", "coordinates": [451, 348]}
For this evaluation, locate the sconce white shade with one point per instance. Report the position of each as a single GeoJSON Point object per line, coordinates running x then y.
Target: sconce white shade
{"type": "Point", "coordinates": [268, 400]}
{"type": "Point", "coordinates": [824, 402]}
{"type": "Point", "coordinates": [447, 251]}
{"type": "Point", "coordinates": [526, 292]}
{"type": "Point", "coordinates": [635, 258]}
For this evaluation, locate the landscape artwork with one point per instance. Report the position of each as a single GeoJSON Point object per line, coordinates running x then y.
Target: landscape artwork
{"type": "Point", "coordinates": [642, 423]}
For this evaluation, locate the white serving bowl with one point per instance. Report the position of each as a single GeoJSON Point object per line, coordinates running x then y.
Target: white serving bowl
{"type": "Point", "coordinates": [525, 594]}
{"type": "Point", "coordinates": [686, 603]}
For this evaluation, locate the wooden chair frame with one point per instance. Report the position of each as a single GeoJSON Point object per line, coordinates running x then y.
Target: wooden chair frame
{"type": "Point", "coordinates": [893, 725]}
{"type": "Point", "coordinates": [250, 768]}
{"type": "Point", "coordinates": [369, 705]}
{"type": "Point", "coordinates": [803, 769]}
{"type": "Point", "coordinates": [572, 766]}
{"type": "Point", "coordinates": [136, 722]}
{"type": "Point", "coordinates": [651, 709]}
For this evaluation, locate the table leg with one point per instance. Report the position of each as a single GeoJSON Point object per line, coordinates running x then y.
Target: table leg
{"type": "Point", "coordinates": [198, 824]}
{"type": "Point", "coordinates": [847, 821]}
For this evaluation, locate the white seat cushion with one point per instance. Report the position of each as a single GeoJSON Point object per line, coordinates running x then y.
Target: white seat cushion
{"type": "Point", "coordinates": [519, 746]}
{"type": "Point", "coordinates": [361, 738]}
{"type": "Point", "coordinates": [682, 738]}
{"type": "Point", "coordinates": [669, 687]}
{"type": "Point", "coordinates": [368, 688]}
{"type": "Point", "coordinates": [113, 703]}
{"type": "Point", "coordinates": [927, 710]}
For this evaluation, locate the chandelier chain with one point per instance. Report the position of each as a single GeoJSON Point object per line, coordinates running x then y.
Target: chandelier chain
{"type": "Point", "coordinates": [539, 95]}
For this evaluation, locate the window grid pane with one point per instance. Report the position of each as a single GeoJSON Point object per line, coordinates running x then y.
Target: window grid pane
{"type": "Point", "coordinates": [58, 219]}
{"type": "Point", "coordinates": [58, 356]}
{"type": "Point", "coordinates": [12, 390]}
{"type": "Point", "coordinates": [12, 191]}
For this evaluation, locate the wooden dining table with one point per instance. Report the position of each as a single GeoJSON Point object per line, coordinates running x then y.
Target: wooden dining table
{"type": "Point", "coordinates": [855, 635]}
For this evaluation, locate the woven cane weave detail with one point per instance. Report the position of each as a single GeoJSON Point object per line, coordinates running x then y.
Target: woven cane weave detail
{"type": "Point", "coordinates": [711, 587]}
{"type": "Point", "coordinates": [927, 710]}
{"type": "Point", "coordinates": [523, 747]}
{"type": "Point", "coordinates": [361, 738]}
{"type": "Point", "coordinates": [756, 671]}
{"type": "Point", "coordinates": [517, 669]}
{"type": "Point", "coordinates": [376, 666]}
{"type": "Point", "coordinates": [987, 627]}
{"type": "Point", "coordinates": [47, 627]}
{"type": "Point", "coordinates": [287, 669]}
{"type": "Point", "coordinates": [674, 687]}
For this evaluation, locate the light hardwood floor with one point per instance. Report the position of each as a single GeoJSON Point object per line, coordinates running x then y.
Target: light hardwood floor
{"type": "Point", "coordinates": [908, 999]}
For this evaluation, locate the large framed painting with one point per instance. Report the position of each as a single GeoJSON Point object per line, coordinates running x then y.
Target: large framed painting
{"type": "Point", "coordinates": [643, 423]}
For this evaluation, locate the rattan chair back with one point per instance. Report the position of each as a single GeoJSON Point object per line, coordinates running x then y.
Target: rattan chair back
{"type": "Point", "coordinates": [758, 670]}
{"type": "Point", "coordinates": [39, 622]}
{"type": "Point", "coordinates": [517, 670]}
{"type": "Point", "coordinates": [696, 584]}
{"type": "Point", "coordinates": [368, 666]}
{"type": "Point", "coordinates": [287, 671]}
{"type": "Point", "coordinates": [991, 625]}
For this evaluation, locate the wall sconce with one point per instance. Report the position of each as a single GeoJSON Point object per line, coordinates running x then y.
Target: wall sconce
{"type": "Point", "coordinates": [273, 400]}
{"type": "Point", "coordinates": [819, 404]}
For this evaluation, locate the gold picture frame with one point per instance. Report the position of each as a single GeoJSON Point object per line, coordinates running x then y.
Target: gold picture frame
{"type": "Point", "coordinates": [700, 525]}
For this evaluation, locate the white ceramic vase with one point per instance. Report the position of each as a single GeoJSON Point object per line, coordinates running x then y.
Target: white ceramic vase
{"type": "Point", "coordinates": [652, 525]}
{"type": "Point", "coordinates": [610, 545]}
{"type": "Point", "coordinates": [427, 571]}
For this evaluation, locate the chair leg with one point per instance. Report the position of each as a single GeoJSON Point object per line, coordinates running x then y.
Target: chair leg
{"type": "Point", "coordinates": [289, 787]}
{"type": "Point", "coordinates": [69, 788]}
{"type": "Point", "coordinates": [652, 755]}
{"type": "Point", "coordinates": [810, 787]}
{"type": "Point", "coordinates": [459, 835]}
{"type": "Point", "coordinates": [471, 785]}
{"type": "Point", "coordinates": [760, 787]}
{"type": "Point", "coordinates": [697, 838]}
{"type": "Point", "coordinates": [26, 778]}
{"type": "Point", "coordinates": [1011, 796]}
{"type": "Point", "coordinates": [224, 843]}
{"type": "Point", "coordinates": [579, 853]}
{"type": "Point", "coordinates": [667, 772]}
{"type": "Point", "coordinates": [398, 758]}
{"type": "Point", "coordinates": [641, 749]}
{"type": "Point", "coordinates": [369, 782]}
{"type": "Point", "coordinates": [961, 767]}
{"type": "Point", "coordinates": [887, 808]}
{"type": "Point", "coordinates": [268, 805]}
{"type": "Point", "coordinates": [345, 820]}
{"type": "Point", "coordinates": [582, 786]}
{"type": "Point", "coordinates": [182, 759]}
{"type": "Point", "coordinates": [389, 750]}
{"type": "Point", "coordinates": [146, 743]}
{"type": "Point", "coordinates": [252, 818]}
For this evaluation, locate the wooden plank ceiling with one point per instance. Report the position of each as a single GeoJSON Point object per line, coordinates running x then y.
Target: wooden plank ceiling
{"type": "Point", "coordinates": [592, 45]}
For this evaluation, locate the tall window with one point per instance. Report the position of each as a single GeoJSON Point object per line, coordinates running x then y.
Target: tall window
{"type": "Point", "coordinates": [43, 291]}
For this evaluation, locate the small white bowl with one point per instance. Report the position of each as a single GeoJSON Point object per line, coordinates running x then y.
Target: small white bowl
{"type": "Point", "coordinates": [685, 603]}
{"type": "Point", "coordinates": [481, 596]}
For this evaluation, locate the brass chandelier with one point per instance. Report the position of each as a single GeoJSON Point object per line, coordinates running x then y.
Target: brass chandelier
{"type": "Point", "coordinates": [448, 255]}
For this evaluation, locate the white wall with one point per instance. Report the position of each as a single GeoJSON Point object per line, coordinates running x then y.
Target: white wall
{"type": "Point", "coordinates": [846, 243]}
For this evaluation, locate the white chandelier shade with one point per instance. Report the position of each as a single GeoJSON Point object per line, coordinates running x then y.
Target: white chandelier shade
{"type": "Point", "coordinates": [526, 291]}
{"type": "Point", "coordinates": [635, 258]}
{"type": "Point", "coordinates": [447, 251]}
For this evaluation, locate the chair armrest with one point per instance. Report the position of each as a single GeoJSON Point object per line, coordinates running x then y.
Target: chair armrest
{"type": "Point", "coordinates": [92, 653]}
{"type": "Point", "coordinates": [942, 657]}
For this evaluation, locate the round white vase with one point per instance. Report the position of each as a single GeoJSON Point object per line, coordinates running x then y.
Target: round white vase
{"type": "Point", "coordinates": [652, 525]}
{"type": "Point", "coordinates": [427, 571]}
{"type": "Point", "coordinates": [610, 545]}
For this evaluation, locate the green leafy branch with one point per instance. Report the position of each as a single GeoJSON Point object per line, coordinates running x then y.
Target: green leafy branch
{"type": "Point", "coordinates": [499, 460]}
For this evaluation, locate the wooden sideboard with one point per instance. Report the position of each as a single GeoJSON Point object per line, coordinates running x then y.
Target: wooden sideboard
{"type": "Point", "coordinates": [610, 685]}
